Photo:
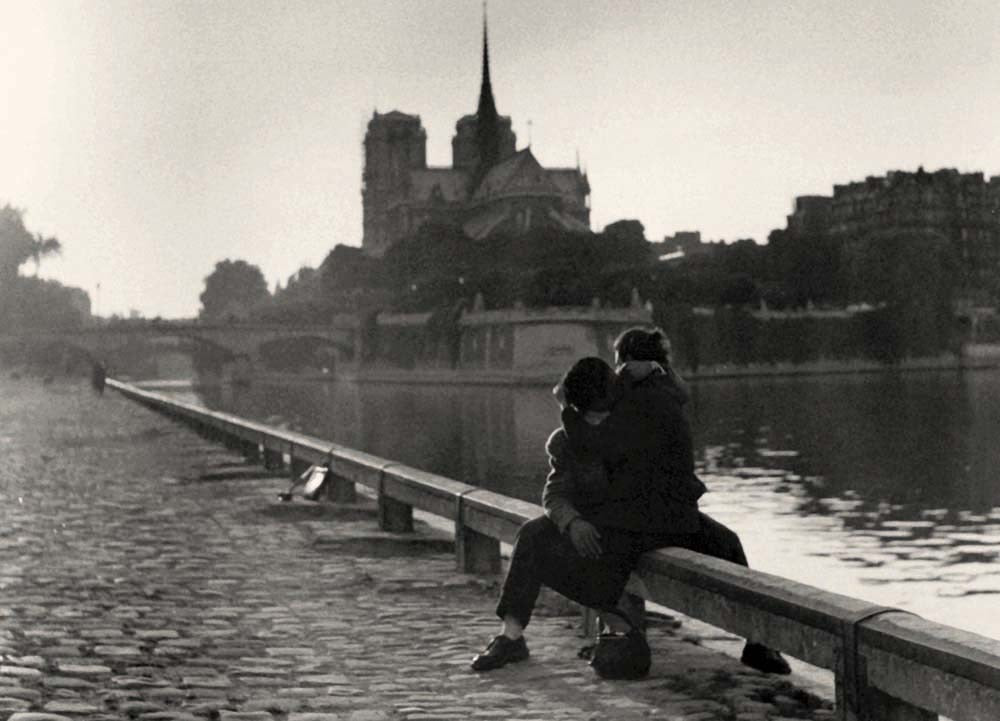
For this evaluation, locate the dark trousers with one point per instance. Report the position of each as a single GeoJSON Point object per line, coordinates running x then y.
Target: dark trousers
{"type": "Point", "coordinates": [544, 556]}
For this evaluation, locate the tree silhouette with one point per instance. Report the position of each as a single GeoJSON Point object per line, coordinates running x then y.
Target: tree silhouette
{"type": "Point", "coordinates": [911, 274]}
{"type": "Point", "coordinates": [18, 245]}
{"type": "Point", "coordinates": [44, 246]}
{"type": "Point", "coordinates": [232, 288]}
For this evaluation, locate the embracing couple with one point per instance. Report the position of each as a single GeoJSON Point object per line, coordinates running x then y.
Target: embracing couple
{"type": "Point", "coordinates": [621, 483]}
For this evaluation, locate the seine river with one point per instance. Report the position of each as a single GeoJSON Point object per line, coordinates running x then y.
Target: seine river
{"type": "Point", "coordinates": [885, 487]}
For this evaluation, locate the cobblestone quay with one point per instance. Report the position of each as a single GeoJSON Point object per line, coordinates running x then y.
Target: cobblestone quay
{"type": "Point", "coordinates": [148, 574]}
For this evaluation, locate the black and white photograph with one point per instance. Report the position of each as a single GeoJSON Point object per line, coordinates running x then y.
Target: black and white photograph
{"type": "Point", "coordinates": [528, 360]}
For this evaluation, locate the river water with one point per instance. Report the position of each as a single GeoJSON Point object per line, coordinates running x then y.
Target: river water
{"type": "Point", "coordinates": [884, 487]}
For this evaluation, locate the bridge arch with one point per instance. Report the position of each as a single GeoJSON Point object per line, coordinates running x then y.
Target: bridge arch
{"type": "Point", "coordinates": [194, 344]}
{"type": "Point", "coordinates": [166, 349]}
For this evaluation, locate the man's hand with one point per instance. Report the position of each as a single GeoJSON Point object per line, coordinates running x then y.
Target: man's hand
{"type": "Point", "coordinates": [585, 538]}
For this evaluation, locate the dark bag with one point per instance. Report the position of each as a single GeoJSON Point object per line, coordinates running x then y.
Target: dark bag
{"type": "Point", "coordinates": [622, 656]}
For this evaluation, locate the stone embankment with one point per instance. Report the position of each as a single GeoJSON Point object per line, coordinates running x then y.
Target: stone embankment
{"type": "Point", "coordinates": [147, 574]}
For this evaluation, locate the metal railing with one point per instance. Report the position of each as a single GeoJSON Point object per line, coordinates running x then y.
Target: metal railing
{"type": "Point", "coordinates": [888, 665]}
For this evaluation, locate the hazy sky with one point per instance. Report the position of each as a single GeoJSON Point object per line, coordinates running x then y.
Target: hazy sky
{"type": "Point", "coordinates": [155, 138]}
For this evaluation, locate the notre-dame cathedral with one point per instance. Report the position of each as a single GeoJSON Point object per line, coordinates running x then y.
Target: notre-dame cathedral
{"type": "Point", "coordinates": [490, 187]}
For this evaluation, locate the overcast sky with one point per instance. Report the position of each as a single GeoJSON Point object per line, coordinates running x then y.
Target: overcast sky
{"type": "Point", "coordinates": [157, 138]}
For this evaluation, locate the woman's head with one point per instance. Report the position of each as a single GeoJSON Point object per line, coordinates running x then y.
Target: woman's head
{"type": "Point", "coordinates": [642, 344]}
{"type": "Point", "coordinates": [589, 385]}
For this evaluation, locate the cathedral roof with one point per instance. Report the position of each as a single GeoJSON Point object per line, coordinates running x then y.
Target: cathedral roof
{"type": "Point", "coordinates": [449, 185]}
{"type": "Point", "coordinates": [570, 181]}
{"type": "Point", "coordinates": [484, 223]}
{"type": "Point", "coordinates": [568, 222]}
{"type": "Point", "coordinates": [518, 174]}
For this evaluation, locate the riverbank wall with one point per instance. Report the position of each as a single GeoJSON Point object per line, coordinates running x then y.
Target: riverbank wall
{"type": "Point", "coordinates": [888, 664]}
{"type": "Point", "coordinates": [511, 346]}
{"type": "Point", "coordinates": [152, 574]}
{"type": "Point", "coordinates": [515, 346]}
{"type": "Point", "coordinates": [535, 347]}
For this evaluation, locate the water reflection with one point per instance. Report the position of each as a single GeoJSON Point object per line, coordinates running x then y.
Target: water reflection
{"type": "Point", "coordinates": [915, 441]}
{"type": "Point", "coordinates": [884, 487]}
{"type": "Point", "coordinates": [488, 436]}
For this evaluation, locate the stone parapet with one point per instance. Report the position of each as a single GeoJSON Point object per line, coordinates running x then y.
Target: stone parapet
{"type": "Point", "coordinates": [886, 664]}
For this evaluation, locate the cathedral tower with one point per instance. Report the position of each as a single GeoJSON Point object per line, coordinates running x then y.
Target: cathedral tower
{"type": "Point", "coordinates": [395, 145]}
{"type": "Point", "coordinates": [490, 188]}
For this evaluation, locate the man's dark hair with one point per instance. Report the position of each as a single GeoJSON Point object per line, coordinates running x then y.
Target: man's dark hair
{"type": "Point", "coordinates": [642, 344]}
{"type": "Point", "coordinates": [586, 382]}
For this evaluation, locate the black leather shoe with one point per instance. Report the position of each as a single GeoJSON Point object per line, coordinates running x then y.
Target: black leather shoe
{"type": "Point", "coordinates": [500, 652]}
{"type": "Point", "coordinates": [762, 658]}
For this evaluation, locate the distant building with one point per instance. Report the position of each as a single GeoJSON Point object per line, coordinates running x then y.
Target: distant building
{"type": "Point", "coordinates": [680, 245]}
{"type": "Point", "coordinates": [490, 186]}
{"type": "Point", "coordinates": [963, 208]}
{"type": "Point", "coordinates": [687, 242]}
{"type": "Point", "coordinates": [810, 215]}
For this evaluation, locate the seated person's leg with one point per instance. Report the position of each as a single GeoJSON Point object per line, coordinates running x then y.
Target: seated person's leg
{"type": "Point", "coordinates": [523, 581]}
{"type": "Point", "coordinates": [518, 595]}
{"type": "Point", "coordinates": [717, 540]}
{"type": "Point", "coordinates": [632, 603]}
{"type": "Point", "coordinates": [593, 582]}
{"type": "Point", "coordinates": [542, 555]}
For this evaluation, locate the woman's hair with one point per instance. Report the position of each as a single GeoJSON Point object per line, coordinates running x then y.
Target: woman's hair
{"type": "Point", "coordinates": [643, 344]}
{"type": "Point", "coordinates": [586, 382]}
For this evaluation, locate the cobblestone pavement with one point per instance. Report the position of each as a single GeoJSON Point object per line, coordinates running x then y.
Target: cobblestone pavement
{"type": "Point", "coordinates": [146, 574]}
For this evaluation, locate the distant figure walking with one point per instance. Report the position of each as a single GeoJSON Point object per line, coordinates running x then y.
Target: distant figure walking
{"type": "Point", "coordinates": [98, 376]}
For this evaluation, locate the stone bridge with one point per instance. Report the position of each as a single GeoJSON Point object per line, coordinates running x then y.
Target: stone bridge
{"type": "Point", "coordinates": [257, 345]}
{"type": "Point", "coordinates": [513, 345]}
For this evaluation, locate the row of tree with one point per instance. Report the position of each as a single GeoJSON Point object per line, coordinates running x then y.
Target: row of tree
{"type": "Point", "coordinates": [909, 272]}
{"type": "Point", "coordinates": [438, 266]}
{"type": "Point", "coordinates": [28, 302]}
{"type": "Point", "coordinates": [909, 275]}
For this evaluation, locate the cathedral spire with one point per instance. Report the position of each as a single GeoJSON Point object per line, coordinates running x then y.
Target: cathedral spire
{"type": "Point", "coordinates": [487, 119]}
{"type": "Point", "coordinates": [487, 106]}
